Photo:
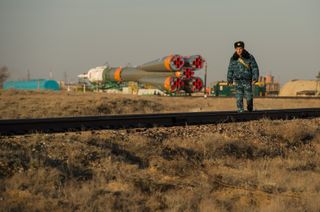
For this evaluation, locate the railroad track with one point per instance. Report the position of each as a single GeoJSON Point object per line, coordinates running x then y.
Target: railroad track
{"type": "Point", "coordinates": [64, 124]}
{"type": "Point", "coordinates": [256, 97]}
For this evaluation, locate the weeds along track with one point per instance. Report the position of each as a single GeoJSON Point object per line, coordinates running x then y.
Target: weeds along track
{"type": "Point", "coordinates": [51, 125]}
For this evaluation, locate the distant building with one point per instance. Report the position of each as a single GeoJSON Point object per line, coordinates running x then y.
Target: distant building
{"type": "Point", "coordinates": [299, 88]}
{"type": "Point", "coordinates": [221, 88]}
{"type": "Point", "coordinates": [39, 84]}
{"type": "Point", "coordinates": [272, 86]}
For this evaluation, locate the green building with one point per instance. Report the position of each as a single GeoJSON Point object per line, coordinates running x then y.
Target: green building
{"type": "Point", "coordinates": [223, 89]}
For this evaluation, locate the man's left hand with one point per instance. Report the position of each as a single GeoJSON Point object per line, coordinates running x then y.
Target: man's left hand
{"type": "Point", "coordinates": [254, 82]}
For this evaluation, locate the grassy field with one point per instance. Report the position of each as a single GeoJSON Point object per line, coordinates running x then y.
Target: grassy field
{"type": "Point", "coordinates": [254, 166]}
{"type": "Point", "coordinates": [27, 104]}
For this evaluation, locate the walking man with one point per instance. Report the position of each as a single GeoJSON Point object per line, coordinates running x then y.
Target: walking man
{"type": "Point", "coordinates": [244, 72]}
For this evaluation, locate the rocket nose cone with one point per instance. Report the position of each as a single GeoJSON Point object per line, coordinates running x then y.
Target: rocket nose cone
{"type": "Point", "coordinates": [83, 76]}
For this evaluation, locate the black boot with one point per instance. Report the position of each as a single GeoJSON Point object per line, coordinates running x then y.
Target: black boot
{"type": "Point", "coordinates": [250, 105]}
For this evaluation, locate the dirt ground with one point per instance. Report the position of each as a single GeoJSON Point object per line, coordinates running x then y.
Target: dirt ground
{"type": "Point", "coordinates": [253, 166]}
{"type": "Point", "coordinates": [31, 104]}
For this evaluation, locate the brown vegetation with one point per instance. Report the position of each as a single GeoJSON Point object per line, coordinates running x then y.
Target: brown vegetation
{"type": "Point", "coordinates": [255, 166]}
{"type": "Point", "coordinates": [36, 104]}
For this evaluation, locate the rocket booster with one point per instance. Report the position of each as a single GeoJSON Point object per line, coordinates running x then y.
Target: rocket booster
{"type": "Point", "coordinates": [194, 62]}
{"type": "Point", "coordinates": [171, 73]}
{"type": "Point", "coordinates": [162, 80]}
{"type": "Point", "coordinates": [193, 85]}
{"type": "Point", "coordinates": [168, 63]}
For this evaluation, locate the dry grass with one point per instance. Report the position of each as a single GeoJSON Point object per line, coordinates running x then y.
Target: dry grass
{"type": "Point", "coordinates": [255, 166]}
{"type": "Point", "coordinates": [27, 104]}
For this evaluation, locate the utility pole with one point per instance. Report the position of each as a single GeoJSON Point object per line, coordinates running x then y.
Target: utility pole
{"type": "Point", "coordinates": [318, 84]}
{"type": "Point", "coordinates": [66, 78]}
{"type": "Point", "coordinates": [66, 82]}
{"type": "Point", "coordinates": [28, 75]}
{"type": "Point", "coordinates": [50, 75]}
{"type": "Point", "coordinates": [205, 80]}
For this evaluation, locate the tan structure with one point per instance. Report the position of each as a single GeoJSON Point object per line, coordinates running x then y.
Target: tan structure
{"type": "Point", "coordinates": [299, 88]}
{"type": "Point", "coordinates": [272, 86]}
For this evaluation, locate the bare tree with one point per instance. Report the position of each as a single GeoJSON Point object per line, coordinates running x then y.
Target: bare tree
{"type": "Point", "coordinates": [4, 74]}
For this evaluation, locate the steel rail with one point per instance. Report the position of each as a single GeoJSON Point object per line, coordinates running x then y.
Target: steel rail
{"type": "Point", "coordinates": [65, 124]}
{"type": "Point", "coordinates": [256, 97]}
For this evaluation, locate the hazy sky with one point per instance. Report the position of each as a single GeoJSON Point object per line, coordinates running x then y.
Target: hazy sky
{"type": "Point", "coordinates": [75, 35]}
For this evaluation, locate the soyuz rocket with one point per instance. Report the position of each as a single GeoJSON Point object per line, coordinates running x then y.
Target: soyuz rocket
{"type": "Point", "coordinates": [173, 73]}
